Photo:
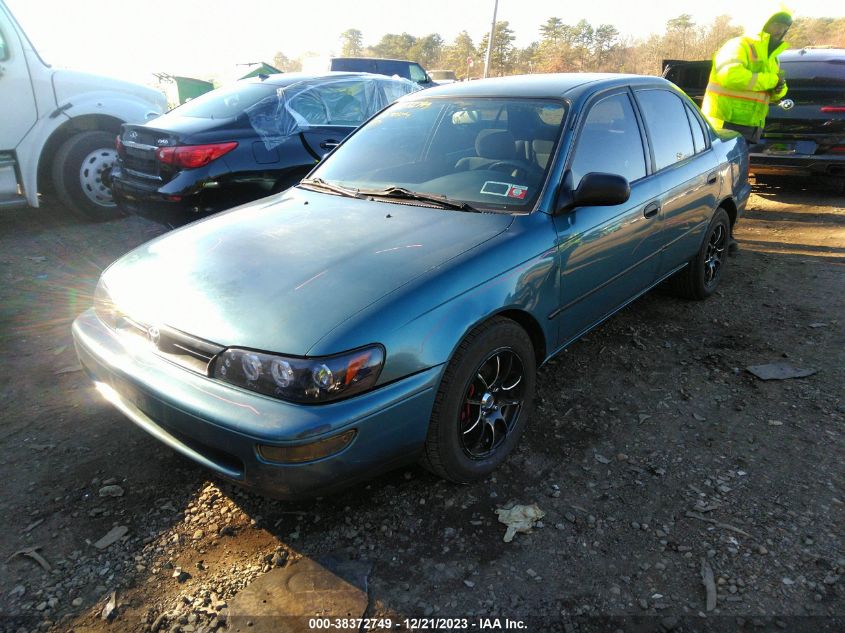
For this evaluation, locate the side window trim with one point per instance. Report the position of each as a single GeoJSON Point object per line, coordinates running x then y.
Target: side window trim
{"type": "Point", "coordinates": [5, 48]}
{"type": "Point", "coordinates": [650, 163]}
{"type": "Point", "coordinates": [580, 121]}
{"type": "Point", "coordinates": [695, 115]}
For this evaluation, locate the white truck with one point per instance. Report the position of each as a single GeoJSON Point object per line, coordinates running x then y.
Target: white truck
{"type": "Point", "coordinates": [58, 127]}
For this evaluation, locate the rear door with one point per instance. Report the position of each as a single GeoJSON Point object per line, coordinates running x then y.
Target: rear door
{"type": "Point", "coordinates": [329, 113]}
{"type": "Point", "coordinates": [686, 171]}
{"type": "Point", "coordinates": [19, 112]}
{"type": "Point", "coordinates": [608, 255]}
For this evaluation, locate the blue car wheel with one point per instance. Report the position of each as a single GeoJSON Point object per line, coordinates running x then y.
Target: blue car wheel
{"type": "Point", "coordinates": [483, 403]}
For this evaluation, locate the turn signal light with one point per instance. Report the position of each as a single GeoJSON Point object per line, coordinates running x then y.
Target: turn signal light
{"type": "Point", "coordinates": [306, 452]}
{"type": "Point", "coordinates": [193, 156]}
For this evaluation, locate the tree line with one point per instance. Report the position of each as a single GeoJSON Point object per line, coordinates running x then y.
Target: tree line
{"type": "Point", "coordinates": [562, 47]}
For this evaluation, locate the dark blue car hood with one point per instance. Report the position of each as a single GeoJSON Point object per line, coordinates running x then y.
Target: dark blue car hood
{"type": "Point", "coordinates": [281, 273]}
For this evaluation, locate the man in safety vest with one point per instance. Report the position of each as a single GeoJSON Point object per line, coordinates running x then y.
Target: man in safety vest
{"type": "Point", "coordinates": [745, 77]}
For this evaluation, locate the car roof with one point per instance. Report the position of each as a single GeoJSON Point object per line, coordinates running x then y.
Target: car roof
{"type": "Point", "coordinates": [285, 79]}
{"type": "Point", "coordinates": [813, 55]}
{"type": "Point", "coordinates": [378, 59]}
{"type": "Point", "coordinates": [535, 86]}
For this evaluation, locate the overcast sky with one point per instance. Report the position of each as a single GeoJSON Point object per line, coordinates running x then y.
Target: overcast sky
{"type": "Point", "coordinates": [206, 38]}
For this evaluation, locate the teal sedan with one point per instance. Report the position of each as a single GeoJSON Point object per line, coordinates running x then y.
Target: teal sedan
{"type": "Point", "coordinates": [397, 303]}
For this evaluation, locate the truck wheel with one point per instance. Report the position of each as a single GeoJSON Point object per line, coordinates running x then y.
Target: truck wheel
{"type": "Point", "coordinates": [81, 175]}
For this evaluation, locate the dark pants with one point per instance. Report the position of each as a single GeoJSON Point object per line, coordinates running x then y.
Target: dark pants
{"type": "Point", "coordinates": [749, 133]}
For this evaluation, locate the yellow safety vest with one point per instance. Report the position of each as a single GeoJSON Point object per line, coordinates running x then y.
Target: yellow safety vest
{"type": "Point", "coordinates": [742, 82]}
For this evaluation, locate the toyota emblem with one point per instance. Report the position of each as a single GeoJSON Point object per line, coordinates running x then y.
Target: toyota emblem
{"type": "Point", "coordinates": [787, 104]}
{"type": "Point", "coordinates": [154, 334]}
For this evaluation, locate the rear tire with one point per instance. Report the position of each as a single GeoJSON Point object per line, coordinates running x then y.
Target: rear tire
{"type": "Point", "coordinates": [483, 403]}
{"type": "Point", "coordinates": [81, 171]}
{"type": "Point", "coordinates": [701, 277]}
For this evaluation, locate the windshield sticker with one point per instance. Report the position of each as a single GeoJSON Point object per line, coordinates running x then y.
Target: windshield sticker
{"type": "Point", "coordinates": [504, 189]}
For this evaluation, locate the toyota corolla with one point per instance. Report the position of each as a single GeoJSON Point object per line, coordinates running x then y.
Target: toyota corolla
{"type": "Point", "coordinates": [397, 303]}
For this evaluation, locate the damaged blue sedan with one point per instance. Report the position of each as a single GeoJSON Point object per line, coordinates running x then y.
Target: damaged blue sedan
{"type": "Point", "coordinates": [397, 303]}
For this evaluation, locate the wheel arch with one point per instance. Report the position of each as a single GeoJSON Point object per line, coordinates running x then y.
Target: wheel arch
{"type": "Point", "coordinates": [730, 208]}
{"type": "Point", "coordinates": [85, 123]}
{"type": "Point", "coordinates": [528, 323]}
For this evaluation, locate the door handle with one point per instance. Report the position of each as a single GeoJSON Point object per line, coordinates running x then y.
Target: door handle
{"type": "Point", "coordinates": [651, 210]}
{"type": "Point", "coordinates": [329, 144]}
{"type": "Point", "coordinates": [711, 177]}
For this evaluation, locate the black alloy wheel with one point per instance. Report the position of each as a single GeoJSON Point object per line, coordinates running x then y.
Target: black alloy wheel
{"type": "Point", "coordinates": [483, 403]}
{"type": "Point", "coordinates": [493, 401]}
{"type": "Point", "coordinates": [703, 274]}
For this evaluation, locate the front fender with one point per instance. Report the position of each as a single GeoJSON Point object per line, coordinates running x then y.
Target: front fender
{"type": "Point", "coordinates": [422, 324]}
{"type": "Point", "coordinates": [30, 151]}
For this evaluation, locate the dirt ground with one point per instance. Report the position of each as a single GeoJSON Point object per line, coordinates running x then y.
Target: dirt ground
{"type": "Point", "coordinates": [654, 454]}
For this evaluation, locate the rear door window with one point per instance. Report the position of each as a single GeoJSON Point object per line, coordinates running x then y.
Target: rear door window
{"type": "Point", "coordinates": [668, 126]}
{"type": "Point", "coordinates": [610, 141]}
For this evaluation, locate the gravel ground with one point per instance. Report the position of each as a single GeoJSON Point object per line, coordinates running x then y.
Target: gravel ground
{"type": "Point", "coordinates": [670, 478]}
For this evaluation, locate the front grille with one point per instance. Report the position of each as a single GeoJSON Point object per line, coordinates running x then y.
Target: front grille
{"type": "Point", "coordinates": [178, 347]}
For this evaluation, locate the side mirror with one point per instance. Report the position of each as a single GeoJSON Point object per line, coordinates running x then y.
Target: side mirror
{"type": "Point", "coordinates": [595, 190]}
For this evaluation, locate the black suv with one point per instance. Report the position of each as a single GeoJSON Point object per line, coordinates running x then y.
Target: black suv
{"type": "Point", "coordinates": [399, 67]}
{"type": "Point", "coordinates": [805, 131]}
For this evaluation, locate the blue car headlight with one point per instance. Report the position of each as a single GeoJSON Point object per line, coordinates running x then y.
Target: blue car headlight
{"type": "Point", "coordinates": [303, 380]}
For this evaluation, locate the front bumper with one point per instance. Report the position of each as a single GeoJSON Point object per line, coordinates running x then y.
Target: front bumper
{"type": "Point", "coordinates": [220, 427]}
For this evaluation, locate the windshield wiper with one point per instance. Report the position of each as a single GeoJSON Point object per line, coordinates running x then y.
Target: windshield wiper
{"type": "Point", "coordinates": [407, 194]}
{"type": "Point", "coordinates": [322, 185]}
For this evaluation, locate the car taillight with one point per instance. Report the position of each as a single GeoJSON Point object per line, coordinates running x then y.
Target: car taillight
{"type": "Point", "coordinates": [837, 149]}
{"type": "Point", "coordinates": [833, 108]}
{"type": "Point", "coordinates": [118, 144]}
{"type": "Point", "coordinates": [193, 156]}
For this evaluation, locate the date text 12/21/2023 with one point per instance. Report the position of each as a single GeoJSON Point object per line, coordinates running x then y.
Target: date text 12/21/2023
{"type": "Point", "coordinates": [417, 624]}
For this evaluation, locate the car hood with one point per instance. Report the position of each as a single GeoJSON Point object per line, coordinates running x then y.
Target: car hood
{"type": "Point", "coordinates": [279, 274]}
{"type": "Point", "coordinates": [70, 83]}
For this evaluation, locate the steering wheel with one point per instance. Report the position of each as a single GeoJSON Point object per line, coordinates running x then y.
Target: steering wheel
{"type": "Point", "coordinates": [515, 168]}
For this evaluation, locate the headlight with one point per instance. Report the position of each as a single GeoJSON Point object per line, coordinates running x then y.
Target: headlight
{"type": "Point", "coordinates": [104, 306]}
{"type": "Point", "coordinates": [305, 380]}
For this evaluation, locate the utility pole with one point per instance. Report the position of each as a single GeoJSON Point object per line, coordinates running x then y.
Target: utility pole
{"type": "Point", "coordinates": [490, 42]}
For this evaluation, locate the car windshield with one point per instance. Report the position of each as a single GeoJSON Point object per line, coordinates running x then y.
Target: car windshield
{"type": "Point", "coordinates": [491, 153]}
{"type": "Point", "coordinates": [226, 102]}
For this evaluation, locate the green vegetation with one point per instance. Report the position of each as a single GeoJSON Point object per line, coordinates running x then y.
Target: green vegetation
{"type": "Point", "coordinates": [563, 47]}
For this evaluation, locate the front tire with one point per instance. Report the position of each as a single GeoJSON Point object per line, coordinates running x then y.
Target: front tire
{"type": "Point", "coordinates": [701, 277]}
{"type": "Point", "coordinates": [483, 404]}
{"type": "Point", "coordinates": [81, 172]}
